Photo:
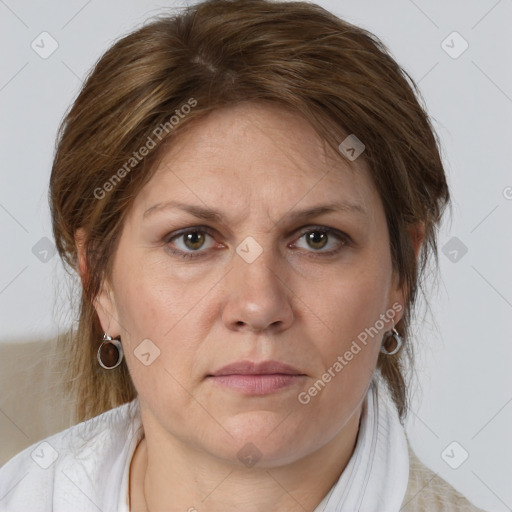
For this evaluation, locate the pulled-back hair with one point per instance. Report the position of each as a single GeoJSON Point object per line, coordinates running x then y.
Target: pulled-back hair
{"type": "Point", "coordinates": [212, 55]}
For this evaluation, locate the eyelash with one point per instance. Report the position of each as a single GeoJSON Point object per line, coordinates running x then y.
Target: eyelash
{"type": "Point", "coordinates": [343, 237]}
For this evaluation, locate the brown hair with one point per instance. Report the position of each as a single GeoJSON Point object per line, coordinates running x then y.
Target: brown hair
{"type": "Point", "coordinates": [217, 53]}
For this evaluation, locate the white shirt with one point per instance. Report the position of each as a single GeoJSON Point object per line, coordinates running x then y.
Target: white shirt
{"type": "Point", "coordinates": [85, 468]}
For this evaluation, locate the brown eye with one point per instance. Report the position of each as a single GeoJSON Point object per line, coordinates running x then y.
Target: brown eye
{"type": "Point", "coordinates": [322, 240]}
{"type": "Point", "coordinates": [317, 239]}
{"type": "Point", "coordinates": [191, 243]}
{"type": "Point", "coordinates": [194, 240]}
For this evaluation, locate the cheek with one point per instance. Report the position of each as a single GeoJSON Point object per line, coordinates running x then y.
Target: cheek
{"type": "Point", "coordinates": [155, 303]}
{"type": "Point", "coordinates": [152, 297]}
{"type": "Point", "coordinates": [353, 300]}
{"type": "Point", "coordinates": [350, 308]}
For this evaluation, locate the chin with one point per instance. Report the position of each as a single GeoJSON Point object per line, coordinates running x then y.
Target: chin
{"type": "Point", "coordinates": [262, 438]}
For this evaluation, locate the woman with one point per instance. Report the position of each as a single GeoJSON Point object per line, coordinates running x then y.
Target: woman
{"type": "Point", "coordinates": [249, 192]}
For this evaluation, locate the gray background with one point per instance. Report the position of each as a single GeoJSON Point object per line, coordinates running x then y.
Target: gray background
{"type": "Point", "coordinates": [464, 354]}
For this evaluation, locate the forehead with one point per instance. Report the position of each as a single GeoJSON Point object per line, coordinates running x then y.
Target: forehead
{"type": "Point", "coordinates": [255, 152]}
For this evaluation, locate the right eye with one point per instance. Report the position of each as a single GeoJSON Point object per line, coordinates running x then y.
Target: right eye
{"type": "Point", "coordinates": [188, 243]}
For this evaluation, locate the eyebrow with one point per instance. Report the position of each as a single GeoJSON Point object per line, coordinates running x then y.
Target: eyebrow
{"type": "Point", "coordinates": [210, 214]}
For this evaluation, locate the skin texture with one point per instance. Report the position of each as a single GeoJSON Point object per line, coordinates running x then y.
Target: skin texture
{"type": "Point", "coordinates": [259, 165]}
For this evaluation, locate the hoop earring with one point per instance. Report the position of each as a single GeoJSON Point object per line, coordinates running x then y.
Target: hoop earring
{"type": "Point", "coordinates": [110, 353]}
{"type": "Point", "coordinates": [398, 340]}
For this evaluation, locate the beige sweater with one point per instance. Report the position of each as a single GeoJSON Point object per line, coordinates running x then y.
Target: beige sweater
{"type": "Point", "coordinates": [427, 492]}
{"type": "Point", "coordinates": [33, 408]}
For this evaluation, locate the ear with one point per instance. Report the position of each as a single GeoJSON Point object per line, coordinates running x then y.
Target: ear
{"type": "Point", "coordinates": [103, 303]}
{"type": "Point", "coordinates": [80, 239]}
{"type": "Point", "coordinates": [398, 293]}
{"type": "Point", "coordinates": [417, 235]}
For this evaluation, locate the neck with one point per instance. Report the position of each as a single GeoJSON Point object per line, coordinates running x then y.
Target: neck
{"type": "Point", "coordinates": [182, 479]}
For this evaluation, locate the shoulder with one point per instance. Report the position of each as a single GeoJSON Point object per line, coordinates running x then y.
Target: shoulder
{"type": "Point", "coordinates": [64, 470]}
{"type": "Point", "coordinates": [427, 491]}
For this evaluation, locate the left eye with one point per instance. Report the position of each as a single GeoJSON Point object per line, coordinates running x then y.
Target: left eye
{"type": "Point", "coordinates": [319, 239]}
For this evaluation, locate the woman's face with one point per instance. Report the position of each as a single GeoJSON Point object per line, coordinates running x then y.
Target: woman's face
{"type": "Point", "coordinates": [256, 279]}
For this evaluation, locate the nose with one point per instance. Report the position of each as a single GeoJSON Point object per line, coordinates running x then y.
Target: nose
{"type": "Point", "coordinates": [258, 300]}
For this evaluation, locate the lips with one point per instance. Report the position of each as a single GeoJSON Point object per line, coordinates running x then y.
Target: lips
{"type": "Point", "coordinates": [257, 379]}
{"type": "Point", "coordinates": [252, 368]}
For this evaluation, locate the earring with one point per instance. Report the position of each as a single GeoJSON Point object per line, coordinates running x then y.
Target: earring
{"type": "Point", "coordinates": [398, 340]}
{"type": "Point", "coordinates": [110, 353]}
